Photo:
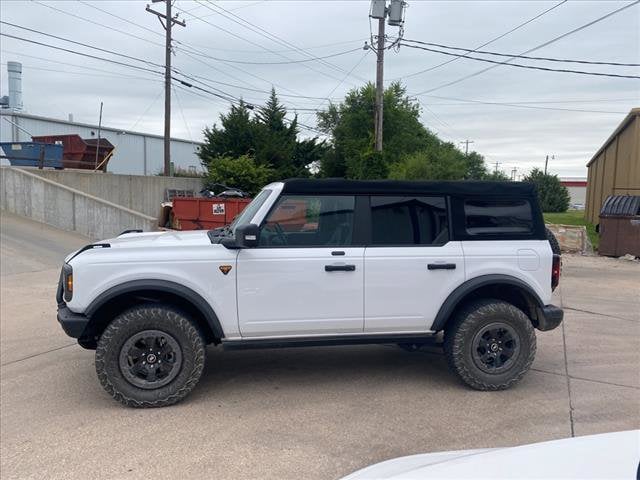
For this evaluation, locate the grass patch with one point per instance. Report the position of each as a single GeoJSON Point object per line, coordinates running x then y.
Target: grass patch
{"type": "Point", "coordinates": [574, 217]}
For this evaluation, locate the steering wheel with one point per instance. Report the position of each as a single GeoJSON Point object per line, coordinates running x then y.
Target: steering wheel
{"type": "Point", "coordinates": [276, 228]}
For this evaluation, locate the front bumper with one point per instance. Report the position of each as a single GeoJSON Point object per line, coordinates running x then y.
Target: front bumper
{"type": "Point", "coordinates": [73, 324]}
{"type": "Point", "coordinates": [549, 317]}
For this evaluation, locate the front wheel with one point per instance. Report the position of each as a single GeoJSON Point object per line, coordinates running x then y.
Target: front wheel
{"type": "Point", "coordinates": [150, 356]}
{"type": "Point", "coordinates": [490, 344]}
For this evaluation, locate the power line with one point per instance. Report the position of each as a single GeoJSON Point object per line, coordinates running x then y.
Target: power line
{"type": "Point", "coordinates": [518, 65]}
{"type": "Point", "coordinates": [121, 18]}
{"type": "Point", "coordinates": [501, 104]}
{"type": "Point", "coordinates": [80, 43]}
{"type": "Point", "coordinates": [341, 82]}
{"type": "Point", "coordinates": [517, 27]}
{"type": "Point", "coordinates": [88, 74]}
{"type": "Point", "coordinates": [93, 22]}
{"type": "Point", "coordinates": [135, 124]}
{"type": "Point", "coordinates": [81, 53]}
{"type": "Point", "coordinates": [84, 67]}
{"type": "Point", "coordinates": [190, 48]}
{"type": "Point", "coordinates": [538, 47]}
{"type": "Point", "coordinates": [513, 55]}
{"type": "Point", "coordinates": [247, 62]}
{"type": "Point", "coordinates": [266, 34]}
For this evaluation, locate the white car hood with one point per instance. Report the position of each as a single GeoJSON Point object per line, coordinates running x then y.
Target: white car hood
{"type": "Point", "coordinates": [610, 456]}
{"type": "Point", "coordinates": [160, 239]}
{"type": "Point", "coordinates": [154, 239]}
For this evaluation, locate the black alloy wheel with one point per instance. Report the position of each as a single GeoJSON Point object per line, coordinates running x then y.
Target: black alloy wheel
{"type": "Point", "coordinates": [495, 347]}
{"type": "Point", "coordinates": [150, 359]}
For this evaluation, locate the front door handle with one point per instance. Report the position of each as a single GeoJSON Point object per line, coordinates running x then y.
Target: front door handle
{"type": "Point", "coordinates": [441, 266]}
{"type": "Point", "coordinates": [339, 268]}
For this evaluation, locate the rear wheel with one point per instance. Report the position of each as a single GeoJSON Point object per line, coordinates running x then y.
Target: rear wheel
{"type": "Point", "coordinates": [490, 344]}
{"type": "Point", "coordinates": [150, 356]}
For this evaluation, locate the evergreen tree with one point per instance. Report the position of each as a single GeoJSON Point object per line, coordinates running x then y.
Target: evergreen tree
{"type": "Point", "coordinates": [235, 136]}
{"type": "Point", "coordinates": [553, 196]}
{"type": "Point", "coordinates": [276, 141]}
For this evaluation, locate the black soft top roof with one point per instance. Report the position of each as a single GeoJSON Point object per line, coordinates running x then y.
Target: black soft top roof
{"type": "Point", "coordinates": [404, 187]}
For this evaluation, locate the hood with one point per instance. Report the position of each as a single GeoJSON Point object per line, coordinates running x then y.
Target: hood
{"type": "Point", "coordinates": [609, 455]}
{"type": "Point", "coordinates": [159, 239]}
{"type": "Point", "coordinates": [151, 239]}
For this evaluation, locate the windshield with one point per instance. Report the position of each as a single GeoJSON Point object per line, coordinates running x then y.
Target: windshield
{"type": "Point", "coordinates": [247, 214]}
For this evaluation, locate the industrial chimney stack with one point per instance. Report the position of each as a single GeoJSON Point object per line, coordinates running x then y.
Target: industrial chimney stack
{"type": "Point", "coordinates": [14, 70]}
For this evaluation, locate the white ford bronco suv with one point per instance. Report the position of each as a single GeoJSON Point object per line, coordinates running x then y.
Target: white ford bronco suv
{"type": "Point", "coordinates": [321, 262]}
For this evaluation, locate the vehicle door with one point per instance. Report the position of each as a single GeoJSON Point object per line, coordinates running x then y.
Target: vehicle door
{"type": "Point", "coordinates": [411, 266]}
{"type": "Point", "coordinates": [306, 276]}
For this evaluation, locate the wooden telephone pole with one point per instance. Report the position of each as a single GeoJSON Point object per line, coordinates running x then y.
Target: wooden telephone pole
{"type": "Point", "coordinates": [169, 21]}
{"type": "Point", "coordinates": [466, 146]}
{"type": "Point", "coordinates": [379, 87]}
{"type": "Point", "coordinates": [394, 12]}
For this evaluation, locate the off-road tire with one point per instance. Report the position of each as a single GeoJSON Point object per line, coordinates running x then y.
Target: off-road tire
{"type": "Point", "coordinates": [553, 241]}
{"type": "Point", "coordinates": [470, 320]}
{"type": "Point", "coordinates": [150, 317]}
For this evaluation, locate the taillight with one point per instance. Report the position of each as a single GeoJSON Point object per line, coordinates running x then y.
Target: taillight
{"type": "Point", "coordinates": [556, 268]}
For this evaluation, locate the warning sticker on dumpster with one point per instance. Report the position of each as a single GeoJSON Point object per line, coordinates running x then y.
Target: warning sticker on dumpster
{"type": "Point", "coordinates": [218, 208]}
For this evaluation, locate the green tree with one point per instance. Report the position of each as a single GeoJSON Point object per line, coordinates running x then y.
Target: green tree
{"type": "Point", "coordinates": [497, 176]}
{"type": "Point", "coordinates": [308, 155]}
{"type": "Point", "coordinates": [370, 166]}
{"type": "Point", "coordinates": [241, 172]}
{"type": "Point", "coordinates": [444, 163]}
{"type": "Point", "coordinates": [276, 141]}
{"type": "Point", "coordinates": [553, 196]}
{"type": "Point", "coordinates": [236, 135]}
{"type": "Point", "coordinates": [476, 169]}
{"type": "Point", "coordinates": [349, 126]}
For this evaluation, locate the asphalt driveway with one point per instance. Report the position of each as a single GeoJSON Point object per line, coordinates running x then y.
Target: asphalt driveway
{"type": "Point", "coordinates": [315, 413]}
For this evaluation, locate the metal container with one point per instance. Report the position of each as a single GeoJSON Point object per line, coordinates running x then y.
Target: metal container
{"type": "Point", "coordinates": [33, 154]}
{"type": "Point", "coordinates": [79, 152]}
{"type": "Point", "coordinates": [205, 213]}
{"type": "Point", "coordinates": [620, 226]}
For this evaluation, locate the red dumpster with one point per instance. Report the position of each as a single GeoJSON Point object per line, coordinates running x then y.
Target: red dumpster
{"type": "Point", "coordinates": [79, 152]}
{"type": "Point", "coordinates": [191, 213]}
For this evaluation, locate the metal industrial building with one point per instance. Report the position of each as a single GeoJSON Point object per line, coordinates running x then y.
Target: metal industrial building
{"type": "Point", "coordinates": [135, 153]}
{"type": "Point", "coordinates": [615, 167]}
{"type": "Point", "coordinates": [577, 188]}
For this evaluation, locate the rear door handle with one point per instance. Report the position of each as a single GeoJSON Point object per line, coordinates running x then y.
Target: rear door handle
{"type": "Point", "coordinates": [441, 266]}
{"type": "Point", "coordinates": [339, 268]}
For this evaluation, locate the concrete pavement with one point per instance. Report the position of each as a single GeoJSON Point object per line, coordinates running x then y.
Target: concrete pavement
{"type": "Point", "coordinates": [315, 413]}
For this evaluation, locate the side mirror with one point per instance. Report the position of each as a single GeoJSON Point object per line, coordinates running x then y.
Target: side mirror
{"type": "Point", "coordinates": [246, 236]}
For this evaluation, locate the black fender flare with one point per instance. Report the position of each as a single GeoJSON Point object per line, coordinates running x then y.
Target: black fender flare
{"type": "Point", "coordinates": [161, 286]}
{"type": "Point", "coordinates": [458, 295]}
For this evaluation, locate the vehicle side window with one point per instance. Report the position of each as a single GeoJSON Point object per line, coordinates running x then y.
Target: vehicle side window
{"type": "Point", "coordinates": [490, 217]}
{"type": "Point", "coordinates": [309, 221]}
{"type": "Point", "coordinates": [408, 220]}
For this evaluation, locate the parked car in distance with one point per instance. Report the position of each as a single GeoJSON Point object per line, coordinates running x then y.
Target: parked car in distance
{"type": "Point", "coordinates": [321, 262]}
{"type": "Point", "coordinates": [610, 455]}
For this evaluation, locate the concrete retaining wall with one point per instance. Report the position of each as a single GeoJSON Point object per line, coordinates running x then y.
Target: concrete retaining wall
{"type": "Point", "coordinates": [136, 192]}
{"type": "Point", "coordinates": [29, 195]}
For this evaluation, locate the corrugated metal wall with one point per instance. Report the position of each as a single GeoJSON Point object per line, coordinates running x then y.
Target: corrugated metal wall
{"type": "Point", "coordinates": [136, 154]}
{"type": "Point", "coordinates": [615, 169]}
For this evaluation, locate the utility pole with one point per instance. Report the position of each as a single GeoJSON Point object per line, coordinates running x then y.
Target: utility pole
{"type": "Point", "coordinates": [496, 164]}
{"type": "Point", "coordinates": [167, 24]}
{"type": "Point", "coordinates": [546, 162]}
{"type": "Point", "coordinates": [395, 13]}
{"type": "Point", "coordinates": [466, 146]}
{"type": "Point", "coordinates": [514, 170]}
{"type": "Point", "coordinates": [379, 86]}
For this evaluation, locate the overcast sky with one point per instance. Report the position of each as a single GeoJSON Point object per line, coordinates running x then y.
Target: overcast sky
{"type": "Point", "coordinates": [536, 123]}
